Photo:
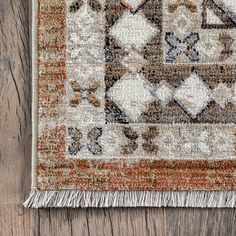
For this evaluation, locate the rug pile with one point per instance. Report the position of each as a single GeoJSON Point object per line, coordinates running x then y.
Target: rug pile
{"type": "Point", "coordinates": [134, 103]}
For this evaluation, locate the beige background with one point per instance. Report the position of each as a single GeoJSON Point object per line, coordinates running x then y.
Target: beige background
{"type": "Point", "coordinates": [15, 152]}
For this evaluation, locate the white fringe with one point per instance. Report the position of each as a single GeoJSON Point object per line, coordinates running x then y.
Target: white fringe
{"type": "Point", "coordinates": [76, 198]}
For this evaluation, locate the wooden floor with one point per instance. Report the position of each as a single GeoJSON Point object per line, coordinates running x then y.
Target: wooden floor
{"type": "Point", "coordinates": [15, 142]}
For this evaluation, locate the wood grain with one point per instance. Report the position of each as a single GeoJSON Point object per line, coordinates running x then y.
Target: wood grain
{"type": "Point", "coordinates": [15, 152]}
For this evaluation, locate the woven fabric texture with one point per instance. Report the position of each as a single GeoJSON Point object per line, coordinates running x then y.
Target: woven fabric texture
{"type": "Point", "coordinates": [135, 95]}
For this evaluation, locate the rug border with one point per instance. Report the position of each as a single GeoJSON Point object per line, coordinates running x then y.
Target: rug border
{"type": "Point", "coordinates": [34, 33]}
{"type": "Point", "coordinates": [76, 198]}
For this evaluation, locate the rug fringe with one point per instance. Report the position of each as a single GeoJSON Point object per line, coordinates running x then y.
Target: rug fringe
{"type": "Point", "coordinates": [75, 198]}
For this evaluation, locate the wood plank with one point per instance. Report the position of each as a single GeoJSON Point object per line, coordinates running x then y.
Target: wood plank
{"type": "Point", "coordinates": [181, 221]}
{"type": "Point", "coordinates": [17, 221]}
{"type": "Point", "coordinates": [15, 101]}
{"type": "Point", "coordinates": [138, 222]}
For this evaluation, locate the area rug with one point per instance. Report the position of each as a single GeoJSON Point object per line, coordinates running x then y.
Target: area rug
{"type": "Point", "coordinates": [134, 103]}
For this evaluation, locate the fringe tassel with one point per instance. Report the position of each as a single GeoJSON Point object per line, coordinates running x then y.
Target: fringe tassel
{"type": "Point", "coordinates": [75, 198]}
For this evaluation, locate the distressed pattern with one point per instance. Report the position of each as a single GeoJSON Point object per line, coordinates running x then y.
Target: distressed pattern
{"type": "Point", "coordinates": [136, 95]}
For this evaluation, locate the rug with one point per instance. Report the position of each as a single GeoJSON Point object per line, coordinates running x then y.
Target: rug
{"type": "Point", "coordinates": [134, 103]}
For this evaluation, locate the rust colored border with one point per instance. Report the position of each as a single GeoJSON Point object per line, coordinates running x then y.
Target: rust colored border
{"type": "Point", "coordinates": [114, 175]}
{"type": "Point", "coordinates": [55, 172]}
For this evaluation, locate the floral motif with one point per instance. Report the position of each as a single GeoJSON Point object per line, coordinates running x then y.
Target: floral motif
{"type": "Point", "coordinates": [93, 143]}
{"type": "Point", "coordinates": [148, 137]}
{"type": "Point", "coordinates": [85, 94]}
{"type": "Point", "coordinates": [94, 4]}
{"type": "Point", "coordinates": [185, 46]}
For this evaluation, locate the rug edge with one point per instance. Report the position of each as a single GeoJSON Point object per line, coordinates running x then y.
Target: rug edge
{"type": "Point", "coordinates": [103, 199]}
{"type": "Point", "coordinates": [34, 104]}
{"type": "Point", "coordinates": [76, 198]}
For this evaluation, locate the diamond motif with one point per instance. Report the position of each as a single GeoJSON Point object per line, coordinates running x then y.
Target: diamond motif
{"type": "Point", "coordinates": [164, 93]}
{"type": "Point", "coordinates": [133, 5]}
{"type": "Point", "coordinates": [133, 61]}
{"type": "Point", "coordinates": [193, 95]}
{"type": "Point", "coordinates": [131, 94]}
{"type": "Point", "coordinates": [221, 94]}
{"type": "Point", "coordinates": [133, 30]}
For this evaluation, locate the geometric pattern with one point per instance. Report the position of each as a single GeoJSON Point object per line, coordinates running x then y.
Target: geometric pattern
{"type": "Point", "coordinates": [130, 27]}
{"type": "Point", "coordinates": [186, 51]}
{"type": "Point", "coordinates": [131, 92]}
{"type": "Point", "coordinates": [219, 14]}
{"type": "Point", "coordinates": [178, 47]}
{"type": "Point", "coordinates": [136, 94]}
{"type": "Point", "coordinates": [193, 95]}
